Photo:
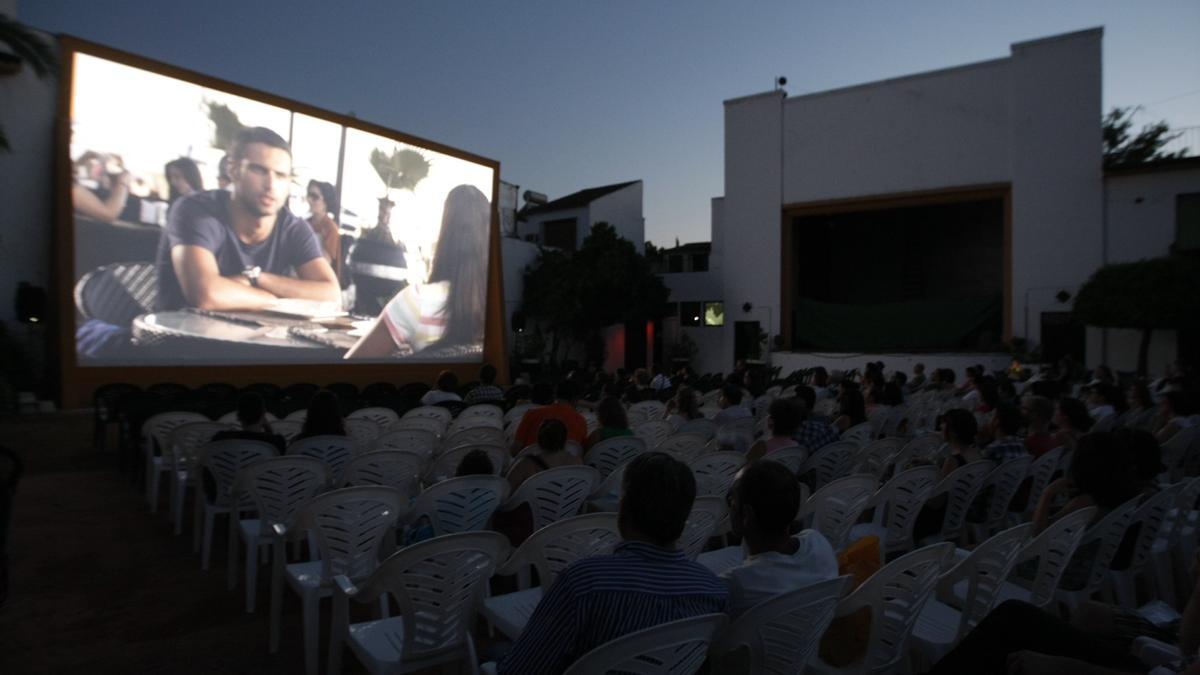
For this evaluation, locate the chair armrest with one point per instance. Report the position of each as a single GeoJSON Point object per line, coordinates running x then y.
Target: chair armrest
{"type": "Point", "coordinates": [1152, 652]}
{"type": "Point", "coordinates": [346, 587]}
{"type": "Point", "coordinates": [280, 530]}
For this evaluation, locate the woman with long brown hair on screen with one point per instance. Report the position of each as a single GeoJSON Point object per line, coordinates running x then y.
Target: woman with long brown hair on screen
{"type": "Point", "coordinates": [447, 310]}
{"type": "Point", "coordinates": [323, 211]}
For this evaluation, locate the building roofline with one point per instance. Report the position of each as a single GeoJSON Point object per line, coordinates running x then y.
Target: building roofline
{"type": "Point", "coordinates": [900, 78]}
{"type": "Point", "coordinates": [764, 94]}
{"type": "Point", "coordinates": [1155, 166]}
{"type": "Point", "coordinates": [1097, 31]}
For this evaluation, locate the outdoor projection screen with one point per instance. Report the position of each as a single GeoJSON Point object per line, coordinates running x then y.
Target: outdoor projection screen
{"type": "Point", "coordinates": [211, 225]}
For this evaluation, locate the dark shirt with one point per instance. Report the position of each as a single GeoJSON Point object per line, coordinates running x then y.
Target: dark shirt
{"type": "Point", "coordinates": [203, 219]}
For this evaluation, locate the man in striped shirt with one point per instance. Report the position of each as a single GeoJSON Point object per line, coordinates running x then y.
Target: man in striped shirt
{"type": "Point", "coordinates": [645, 582]}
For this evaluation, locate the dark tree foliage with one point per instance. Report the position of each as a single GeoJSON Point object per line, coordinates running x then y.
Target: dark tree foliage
{"type": "Point", "coordinates": [1160, 293]}
{"type": "Point", "coordinates": [605, 282]}
{"type": "Point", "coordinates": [1122, 148]}
{"type": "Point", "coordinates": [20, 45]}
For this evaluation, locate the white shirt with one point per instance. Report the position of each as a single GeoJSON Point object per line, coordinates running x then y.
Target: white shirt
{"type": "Point", "coordinates": [766, 575]}
{"type": "Point", "coordinates": [660, 382]}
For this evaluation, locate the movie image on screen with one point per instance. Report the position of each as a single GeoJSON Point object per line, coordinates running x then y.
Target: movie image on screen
{"type": "Point", "coordinates": [211, 228]}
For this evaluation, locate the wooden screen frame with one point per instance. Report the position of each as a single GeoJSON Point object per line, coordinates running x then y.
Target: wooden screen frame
{"type": "Point", "coordinates": [970, 193]}
{"type": "Point", "coordinates": [77, 383]}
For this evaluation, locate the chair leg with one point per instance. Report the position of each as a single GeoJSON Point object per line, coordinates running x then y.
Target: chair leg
{"type": "Point", "coordinates": [278, 562]}
{"type": "Point", "coordinates": [309, 611]}
{"type": "Point", "coordinates": [177, 506]}
{"type": "Point", "coordinates": [206, 548]}
{"type": "Point", "coordinates": [231, 551]}
{"type": "Point", "coordinates": [252, 547]}
{"type": "Point", "coordinates": [198, 519]}
{"type": "Point", "coordinates": [152, 480]}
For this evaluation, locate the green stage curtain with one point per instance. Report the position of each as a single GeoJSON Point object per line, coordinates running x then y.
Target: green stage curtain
{"type": "Point", "coordinates": [917, 325]}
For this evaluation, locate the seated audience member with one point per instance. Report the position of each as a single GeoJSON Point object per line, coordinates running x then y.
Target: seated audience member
{"type": "Point", "coordinates": [917, 381]}
{"type": "Point", "coordinates": [1146, 454]}
{"type": "Point", "coordinates": [683, 407]}
{"type": "Point", "coordinates": [1005, 425]}
{"type": "Point", "coordinates": [1073, 421]}
{"type": "Point", "coordinates": [562, 409]}
{"type": "Point", "coordinates": [1175, 415]}
{"type": "Point", "coordinates": [1102, 400]}
{"type": "Point", "coordinates": [660, 380]}
{"type": "Point", "coordinates": [550, 452]}
{"type": "Point", "coordinates": [1140, 404]}
{"type": "Point", "coordinates": [763, 502]}
{"type": "Point", "coordinates": [486, 391]}
{"type": "Point", "coordinates": [475, 463]}
{"type": "Point", "coordinates": [645, 582]}
{"type": "Point", "coordinates": [101, 189]}
{"type": "Point", "coordinates": [814, 431]}
{"type": "Point", "coordinates": [252, 416]}
{"type": "Point", "coordinates": [852, 409]}
{"type": "Point", "coordinates": [234, 250]}
{"type": "Point", "coordinates": [324, 417]}
{"type": "Point", "coordinates": [613, 422]}
{"type": "Point", "coordinates": [1101, 475]}
{"type": "Point", "coordinates": [783, 420]}
{"type": "Point", "coordinates": [1038, 411]}
{"type": "Point", "coordinates": [445, 389]}
{"type": "Point", "coordinates": [820, 383]}
{"type": "Point", "coordinates": [958, 431]}
{"type": "Point", "coordinates": [732, 439]}
{"type": "Point", "coordinates": [731, 406]}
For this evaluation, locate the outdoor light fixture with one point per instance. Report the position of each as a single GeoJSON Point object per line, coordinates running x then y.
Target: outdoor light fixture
{"type": "Point", "coordinates": [747, 306]}
{"type": "Point", "coordinates": [31, 302]}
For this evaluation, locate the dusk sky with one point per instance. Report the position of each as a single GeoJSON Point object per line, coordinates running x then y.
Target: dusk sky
{"type": "Point", "coordinates": [568, 95]}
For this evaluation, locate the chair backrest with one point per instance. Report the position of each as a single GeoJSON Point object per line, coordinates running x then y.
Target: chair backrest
{"type": "Point", "coordinates": [224, 459]}
{"type": "Point", "coordinates": [715, 471]}
{"type": "Point", "coordinates": [483, 411]}
{"type": "Point", "coordinates": [961, 487]}
{"type": "Point", "coordinates": [117, 293]}
{"type": "Point", "coordinates": [675, 648]}
{"type": "Point", "coordinates": [397, 469]}
{"type": "Point", "coordinates": [613, 452]}
{"type": "Point", "coordinates": [836, 507]}
{"type": "Point", "coordinates": [297, 415]}
{"type": "Point", "coordinates": [382, 417]}
{"type": "Point", "coordinates": [876, 456]}
{"type": "Point", "coordinates": [550, 549]}
{"type": "Point", "coordinates": [351, 526]}
{"type": "Point", "coordinates": [923, 447]}
{"type": "Point", "coordinates": [156, 430]}
{"type": "Point", "coordinates": [650, 409]}
{"type": "Point", "coordinates": [792, 456]}
{"type": "Point", "coordinates": [335, 451]}
{"type": "Point", "coordinates": [1053, 549]}
{"type": "Point", "coordinates": [1108, 533]}
{"type": "Point", "coordinates": [514, 415]}
{"type": "Point", "coordinates": [899, 501]}
{"type": "Point", "coordinates": [1174, 450]}
{"type": "Point", "coordinates": [759, 406]}
{"type": "Point", "coordinates": [825, 407]}
{"type": "Point", "coordinates": [289, 429]}
{"type": "Point", "coordinates": [555, 494]}
{"type": "Point", "coordinates": [363, 432]}
{"type": "Point", "coordinates": [1150, 517]}
{"type": "Point", "coordinates": [896, 595]}
{"type": "Point", "coordinates": [437, 586]}
{"type": "Point", "coordinates": [184, 442]}
{"type": "Point", "coordinates": [859, 433]}
{"type": "Point", "coordinates": [707, 513]}
{"type": "Point", "coordinates": [280, 487]}
{"type": "Point", "coordinates": [430, 412]}
{"type": "Point", "coordinates": [653, 431]}
{"type": "Point", "coordinates": [830, 462]}
{"type": "Point", "coordinates": [473, 436]}
{"type": "Point", "coordinates": [1039, 474]}
{"type": "Point", "coordinates": [782, 634]}
{"type": "Point", "coordinates": [461, 424]}
{"type": "Point", "coordinates": [420, 441]}
{"type": "Point", "coordinates": [1005, 480]}
{"type": "Point", "coordinates": [700, 427]}
{"type": "Point", "coordinates": [460, 504]}
{"type": "Point", "coordinates": [445, 464]}
{"type": "Point", "coordinates": [685, 447]}
{"type": "Point", "coordinates": [984, 570]}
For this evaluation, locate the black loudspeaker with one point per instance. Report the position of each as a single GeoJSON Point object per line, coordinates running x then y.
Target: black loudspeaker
{"type": "Point", "coordinates": [518, 320]}
{"type": "Point", "coordinates": [31, 303]}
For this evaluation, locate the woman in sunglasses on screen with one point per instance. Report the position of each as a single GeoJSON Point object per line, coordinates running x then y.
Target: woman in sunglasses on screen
{"type": "Point", "coordinates": [447, 310]}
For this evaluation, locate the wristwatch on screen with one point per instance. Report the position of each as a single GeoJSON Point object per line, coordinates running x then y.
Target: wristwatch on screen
{"type": "Point", "coordinates": [252, 274]}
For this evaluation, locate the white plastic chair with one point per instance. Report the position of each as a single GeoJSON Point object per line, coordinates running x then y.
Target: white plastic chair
{"type": "Point", "coordinates": [684, 447]}
{"type": "Point", "coordinates": [223, 460]}
{"type": "Point", "coordinates": [675, 648]}
{"type": "Point", "coordinates": [836, 507]}
{"type": "Point", "coordinates": [180, 456]}
{"type": "Point", "coordinates": [297, 416]}
{"type": "Point", "coordinates": [1176, 537]}
{"type": "Point", "coordinates": [896, 595]}
{"type": "Point", "coordinates": [429, 412]}
{"type": "Point", "coordinates": [363, 432]}
{"type": "Point", "coordinates": [1040, 472]}
{"type": "Point", "coordinates": [715, 472]}
{"type": "Point", "coordinates": [981, 573]}
{"type": "Point", "coordinates": [476, 422]}
{"type": "Point", "coordinates": [792, 456]}
{"type": "Point", "coordinates": [156, 433]}
{"type": "Point", "coordinates": [397, 469]}
{"type": "Point", "coordinates": [489, 411]}
{"type": "Point", "coordinates": [700, 427]}
{"type": "Point", "coordinates": [825, 407]}
{"type": "Point", "coordinates": [1174, 451]}
{"type": "Point", "coordinates": [1107, 534]}
{"type": "Point", "coordinates": [461, 504]}
{"type": "Point", "coordinates": [351, 528]}
{"type": "Point", "coordinates": [1004, 480]}
{"type": "Point", "coordinates": [876, 456]}
{"type": "Point", "coordinates": [653, 432]}
{"type": "Point", "coordinates": [335, 451]}
{"type": "Point", "coordinates": [445, 464]}
{"type": "Point", "coordinates": [1150, 518]}
{"type": "Point", "coordinates": [514, 415]}
{"type": "Point", "coordinates": [278, 487]}
{"type": "Point", "coordinates": [554, 494]}
{"type": "Point", "coordinates": [831, 462]}
{"type": "Point", "coordinates": [859, 433]}
{"type": "Point", "coordinates": [473, 436]}
{"type": "Point", "coordinates": [613, 452]}
{"type": "Point", "coordinates": [607, 495]}
{"type": "Point", "coordinates": [434, 425]}
{"type": "Point", "coordinates": [438, 585]}
{"type": "Point", "coordinates": [896, 506]}
{"type": "Point", "coordinates": [652, 410]}
{"type": "Point", "coordinates": [418, 441]}
{"type": "Point", "coordinates": [289, 429]}
{"type": "Point", "coordinates": [925, 447]}
{"type": "Point", "coordinates": [382, 417]}
{"type": "Point", "coordinates": [702, 523]}
{"type": "Point", "coordinates": [960, 488]}
{"type": "Point", "coordinates": [548, 551]}
{"type": "Point", "coordinates": [780, 635]}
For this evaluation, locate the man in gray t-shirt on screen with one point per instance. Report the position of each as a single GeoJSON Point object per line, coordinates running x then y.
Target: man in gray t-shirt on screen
{"type": "Point", "coordinates": [239, 249]}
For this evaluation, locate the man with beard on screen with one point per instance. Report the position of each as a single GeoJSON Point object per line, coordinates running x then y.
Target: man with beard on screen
{"type": "Point", "coordinates": [239, 249]}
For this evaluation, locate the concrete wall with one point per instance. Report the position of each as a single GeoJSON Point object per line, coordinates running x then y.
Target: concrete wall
{"type": "Point", "coordinates": [534, 223]}
{"type": "Point", "coordinates": [517, 256]}
{"type": "Point", "coordinates": [623, 210]}
{"type": "Point", "coordinates": [1141, 212]}
{"type": "Point", "coordinates": [790, 361]}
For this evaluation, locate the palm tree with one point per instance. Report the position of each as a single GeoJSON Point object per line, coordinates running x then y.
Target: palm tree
{"type": "Point", "coordinates": [21, 45]}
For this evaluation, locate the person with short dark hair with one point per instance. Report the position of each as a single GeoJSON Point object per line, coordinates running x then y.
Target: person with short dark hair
{"type": "Point", "coordinates": [731, 406]}
{"type": "Point", "coordinates": [1006, 424]}
{"type": "Point", "coordinates": [814, 431]}
{"type": "Point", "coordinates": [550, 452]}
{"type": "Point", "coordinates": [645, 582]}
{"type": "Point", "coordinates": [763, 502]}
{"type": "Point", "coordinates": [444, 389]}
{"type": "Point", "coordinates": [475, 463]}
{"type": "Point", "coordinates": [1073, 421]}
{"type": "Point", "coordinates": [852, 408]}
{"type": "Point", "coordinates": [958, 431]}
{"type": "Point", "coordinates": [613, 422]}
{"type": "Point", "coordinates": [234, 250]}
{"type": "Point", "coordinates": [1038, 411]}
{"type": "Point", "coordinates": [783, 421]}
{"type": "Point", "coordinates": [486, 391]}
{"type": "Point", "coordinates": [252, 417]}
{"type": "Point", "coordinates": [562, 409]}
{"type": "Point", "coordinates": [324, 417]}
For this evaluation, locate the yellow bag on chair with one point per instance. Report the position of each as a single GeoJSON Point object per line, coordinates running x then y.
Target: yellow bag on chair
{"type": "Point", "coordinates": [845, 640]}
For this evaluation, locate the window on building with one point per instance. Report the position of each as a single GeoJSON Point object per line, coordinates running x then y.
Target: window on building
{"type": "Point", "coordinates": [714, 314]}
{"type": "Point", "coordinates": [533, 238]}
{"type": "Point", "coordinates": [700, 262]}
{"type": "Point", "coordinates": [560, 233]}
{"type": "Point", "coordinates": [691, 314]}
{"type": "Point", "coordinates": [674, 263]}
{"type": "Point", "coordinates": [1187, 222]}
